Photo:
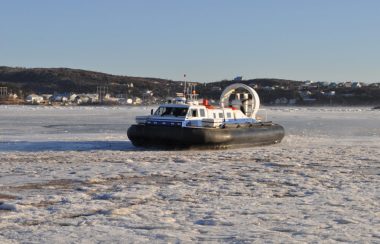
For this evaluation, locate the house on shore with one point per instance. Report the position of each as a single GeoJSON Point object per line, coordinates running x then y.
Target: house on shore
{"type": "Point", "coordinates": [34, 99]}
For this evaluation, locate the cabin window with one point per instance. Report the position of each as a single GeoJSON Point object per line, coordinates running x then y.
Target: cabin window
{"type": "Point", "coordinates": [180, 112]}
{"type": "Point", "coordinates": [221, 115]}
{"type": "Point", "coordinates": [167, 112]}
{"type": "Point", "coordinates": [159, 111]}
{"type": "Point", "coordinates": [202, 113]}
{"type": "Point", "coordinates": [229, 115]}
{"type": "Point", "coordinates": [171, 111]}
{"type": "Point", "coordinates": [214, 115]}
{"type": "Point", "coordinates": [194, 113]}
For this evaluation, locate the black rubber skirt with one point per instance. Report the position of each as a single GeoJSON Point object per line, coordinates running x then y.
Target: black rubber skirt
{"type": "Point", "coordinates": [195, 137]}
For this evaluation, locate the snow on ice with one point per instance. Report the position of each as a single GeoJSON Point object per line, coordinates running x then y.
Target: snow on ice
{"type": "Point", "coordinates": [69, 174]}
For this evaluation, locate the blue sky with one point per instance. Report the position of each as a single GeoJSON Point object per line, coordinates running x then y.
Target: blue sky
{"type": "Point", "coordinates": [209, 40]}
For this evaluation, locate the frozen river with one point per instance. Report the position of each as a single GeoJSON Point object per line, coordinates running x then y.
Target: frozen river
{"type": "Point", "coordinates": [70, 174]}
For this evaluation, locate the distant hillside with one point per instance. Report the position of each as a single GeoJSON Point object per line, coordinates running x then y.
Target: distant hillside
{"type": "Point", "coordinates": [50, 80]}
{"type": "Point", "coordinates": [24, 81]}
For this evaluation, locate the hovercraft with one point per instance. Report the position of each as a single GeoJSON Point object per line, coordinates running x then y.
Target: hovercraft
{"type": "Point", "coordinates": [185, 122]}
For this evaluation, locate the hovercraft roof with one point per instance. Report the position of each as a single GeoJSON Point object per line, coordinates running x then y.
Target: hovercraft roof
{"type": "Point", "coordinates": [175, 105]}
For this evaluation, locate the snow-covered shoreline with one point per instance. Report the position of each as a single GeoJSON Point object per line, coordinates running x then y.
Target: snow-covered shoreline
{"type": "Point", "coordinates": [70, 175]}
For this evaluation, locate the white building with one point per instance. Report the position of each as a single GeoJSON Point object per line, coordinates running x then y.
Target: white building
{"type": "Point", "coordinates": [47, 96]}
{"type": "Point", "coordinates": [34, 99]}
{"type": "Point", "coordinates": [12, 96]}
{"type": "Point", "coordinates": [129, 101]}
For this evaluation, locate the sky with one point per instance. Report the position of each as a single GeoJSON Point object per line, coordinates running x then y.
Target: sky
{"type": "Point", "coordinates": [208, 40]}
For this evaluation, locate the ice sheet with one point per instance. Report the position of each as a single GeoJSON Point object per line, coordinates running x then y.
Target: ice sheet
{"type": "Point", "coordinates": [69, 174]}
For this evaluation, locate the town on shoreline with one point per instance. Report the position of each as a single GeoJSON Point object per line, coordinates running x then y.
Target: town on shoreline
{"type": "Point", "coordinates": [308, 94]}
{"type": "Point", "coordinates": [63, 86]}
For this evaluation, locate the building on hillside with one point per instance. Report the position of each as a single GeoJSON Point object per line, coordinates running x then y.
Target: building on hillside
{"type": "Point", "coordinates": [3, 92]}
{"type": "Point", "coordinates": [254, 85]}
{"type": "Point", "coordinates": [84, 98]}
{"type": "Point", "coordinates": [109, 99]}
{"type": "Point", "coordinates": [356, 84]}
{"type": "Point", "coordinates": [137, 101]}
{"type": "Point", "coordinates": [347, 84]}
{"type": "Point", "coordinates": [59, 98]}
{"type": "Point", "coordinates": [238, 78]}
{"type": "Point", "coordinates": [269, 88]}
{"type": "Point", "coordinates": [47, 97]}
{"type": "Point", "coordinates": [34, 99]}
{"type": "Point", "coordinates": [73, 97]}
{"type": "Point", "coordinates": [281, 101]}
{"type": "Point", "coordinates": [129, 101]}
{"type": "Point", "coordinates": [12, 96]}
